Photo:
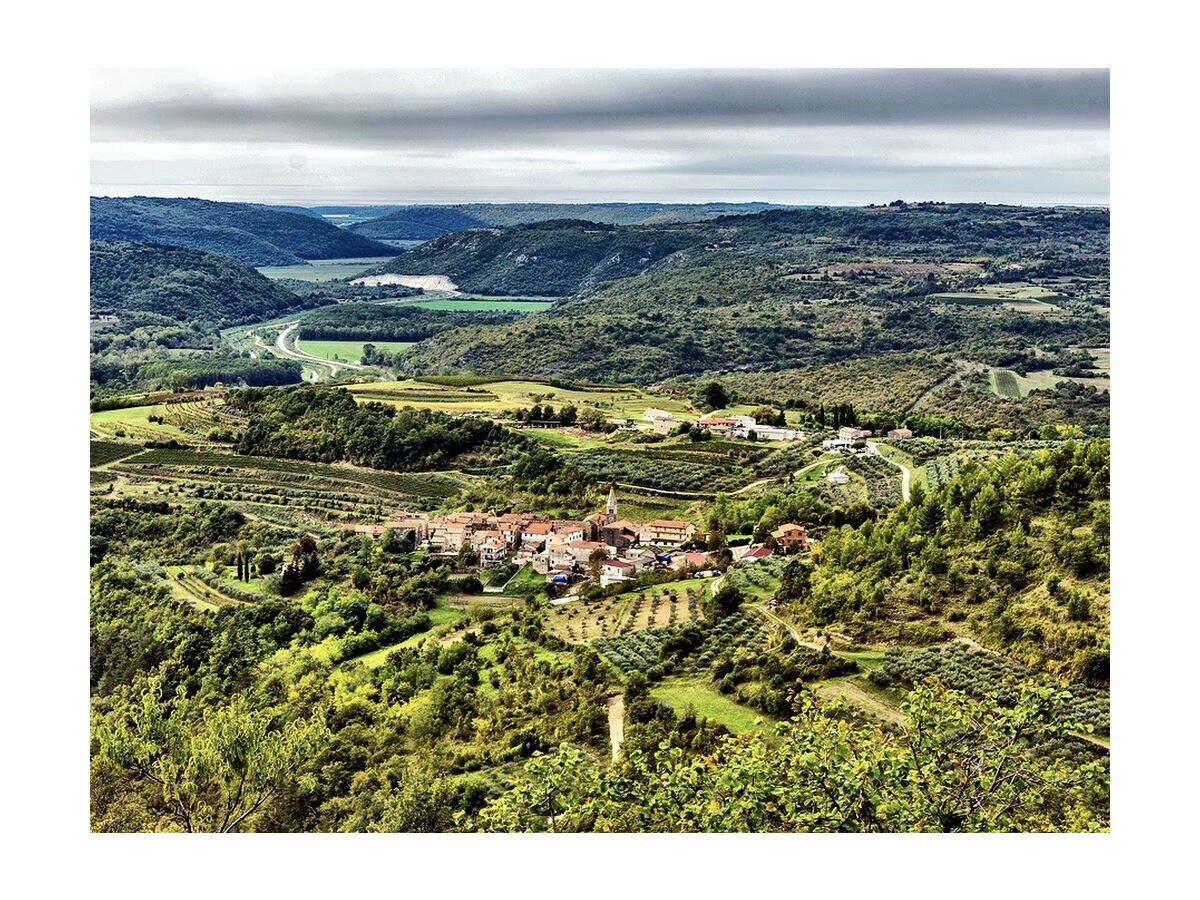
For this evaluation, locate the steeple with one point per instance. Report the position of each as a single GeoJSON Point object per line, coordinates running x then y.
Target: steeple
{"type": "Point", "coordinates": [610, 511]}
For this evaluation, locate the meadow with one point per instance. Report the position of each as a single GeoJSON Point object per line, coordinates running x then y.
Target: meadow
{"type": "Point", "coordinates": [484, 304]}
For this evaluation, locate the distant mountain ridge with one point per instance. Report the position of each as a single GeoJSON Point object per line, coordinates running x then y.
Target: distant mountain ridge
{"type": "Point", "coordinates": [254, 235]}
{"type": "Point", "coordinates": [424, 222]}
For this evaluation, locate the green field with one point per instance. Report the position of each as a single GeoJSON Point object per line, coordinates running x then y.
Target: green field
{"type": "Point", "coordinates": [1004, 384]}
{"type": "Point", "coordinates": [323, 269]}
{"type": "Point", "coordinates": [485, 305]}
{"type": "Point", "coordinates": [709, 703]}
{"type": "Point", "coordinates": [348, 351]}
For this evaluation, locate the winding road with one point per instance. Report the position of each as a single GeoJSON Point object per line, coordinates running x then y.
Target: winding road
{"type": "Point", "coordinates": [286, 345]}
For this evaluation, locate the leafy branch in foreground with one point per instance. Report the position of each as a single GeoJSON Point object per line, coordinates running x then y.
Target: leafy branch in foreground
{"type": "Point", "coordinates": [960, 765]}
{"type": "Point", "coordinates": [216, 772]}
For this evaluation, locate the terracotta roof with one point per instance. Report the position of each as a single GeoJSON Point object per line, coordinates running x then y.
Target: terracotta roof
{"type": "Point", "coordinates": [623, 524]}
{"type": "Point", "coordinates": [668, 523]}
{"type": "Point", "coordinates": [619, 563]}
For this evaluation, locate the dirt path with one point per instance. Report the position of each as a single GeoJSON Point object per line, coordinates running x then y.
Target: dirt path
{"type": "Point", "coordinates": [616, 722]}
{"type": "Point", "coordinates": [785, 625]}
{"type": "Point", "coordinates": [906, 472]}
{"type": "Point", "coordinates": [775, 478]}
{"type": "Point", "coordinates": [286, 344]}
{"type": "Point", "coordinates": [857, 696]}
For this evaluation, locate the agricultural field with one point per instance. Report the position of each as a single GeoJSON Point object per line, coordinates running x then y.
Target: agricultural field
{"type": "Point", "coordinates": [979, 672]}
{"type": "Point", "coordinates": [1019, 296]}
{"type": "Point", "coordinates": [502, 395]}
{"type": "Point", "coordinates": [134, 423]}
{"type": "Point", "coordinates": [104, 452]}
{"type": "Point", "coordinates": [322, 269]}
{"type": "Point", "coordinates": [286, 492]}
{"type": "Point", "coordinates": [348, 351]}
{"type": "Point", "coordinates": [669, 469]}
{"type": "Point", "coordinates": [484, 304]}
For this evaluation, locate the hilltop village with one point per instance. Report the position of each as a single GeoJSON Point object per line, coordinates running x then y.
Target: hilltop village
{"type": "Point", "coordinates": [602, 547]}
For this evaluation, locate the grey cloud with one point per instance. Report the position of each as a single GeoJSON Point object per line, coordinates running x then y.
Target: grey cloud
{"type": "Point", "coordinates": [397, 106]}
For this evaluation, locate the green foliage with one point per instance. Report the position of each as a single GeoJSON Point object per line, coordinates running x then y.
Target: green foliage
{"type": "Point", "coordinates": [215, 767]}
{"type": "Point", "coordinates": [961, 766]}
{"type": "Point", "coordinates": [327, 425]}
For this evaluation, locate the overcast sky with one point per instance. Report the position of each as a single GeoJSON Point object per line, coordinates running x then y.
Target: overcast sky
{"type": "Point", "coordinates": [848, 136]}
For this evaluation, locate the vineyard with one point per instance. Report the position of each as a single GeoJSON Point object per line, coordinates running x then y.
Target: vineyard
{"type": "Point", "coordinates": [104, 452]}
{"type": "Point", "coordinates": [665, 469]}
{"type": "Point", "coordinates": [642, 651]}
{"type": "Point", "coordinates": [980, 673]}
{"type": "Point", "coordinates": [882, 478]}
{"type": "Point", "coordinates": [287, 492]}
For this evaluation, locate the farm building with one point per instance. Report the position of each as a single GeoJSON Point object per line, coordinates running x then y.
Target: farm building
{"type": "Point", "coordinates": [900, 434]}
{"type": "Point", "coordinates": [791, 537]}
{"type": "Point", "coordinates": [667, 531]}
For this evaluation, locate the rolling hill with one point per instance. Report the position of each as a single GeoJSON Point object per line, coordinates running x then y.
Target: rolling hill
{"type": "Point", "coordinates": [254, 235]}
{"type": "Point", "coordinates": [183, 284]}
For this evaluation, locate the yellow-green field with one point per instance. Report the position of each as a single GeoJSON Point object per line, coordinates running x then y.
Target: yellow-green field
{"type": "Point", "coordinates": [349, 351]}
{"type": "Point", "coordinates": [1019, 296]}
{"type": "Point", "coordinates": [499, 396]}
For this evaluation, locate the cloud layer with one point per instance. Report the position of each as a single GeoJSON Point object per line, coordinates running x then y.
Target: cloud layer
{"type": "Point", "coordinates": [801, 136]}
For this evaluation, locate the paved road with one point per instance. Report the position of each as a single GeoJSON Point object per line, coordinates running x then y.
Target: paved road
{"type": "Point", "coordinates": [286, 344]}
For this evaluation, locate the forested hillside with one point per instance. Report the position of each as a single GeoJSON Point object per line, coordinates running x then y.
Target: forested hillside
{"type": "Point", "coordinates": [785, 289]}
{"type": "Point", "coordinates": [182, 284]}
{"type": "Point", "coordinates": [255, 235]}
{"type": "Point", "coordinates": [542, 259]}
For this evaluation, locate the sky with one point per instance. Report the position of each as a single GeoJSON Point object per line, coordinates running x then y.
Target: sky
{"type": "Point", "coordinates": [801, 136]}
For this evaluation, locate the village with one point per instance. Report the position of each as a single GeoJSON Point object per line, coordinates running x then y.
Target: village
{"type": "Point", "coordinates": [600, 548]}
{"type": "Point", "coordinates": [603, 548]}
